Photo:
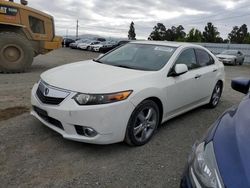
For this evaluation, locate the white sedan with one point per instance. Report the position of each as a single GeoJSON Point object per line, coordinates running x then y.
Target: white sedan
{"type": "Point", "coordinates": [126, 94]}
{"type": "Point", "coordinates": [232, 57]}
{"type": "Point", "coordinates": [87, 45]}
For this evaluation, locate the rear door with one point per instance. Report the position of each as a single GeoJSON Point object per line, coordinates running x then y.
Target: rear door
{"type": "Point", "coordinates": [207, 74]}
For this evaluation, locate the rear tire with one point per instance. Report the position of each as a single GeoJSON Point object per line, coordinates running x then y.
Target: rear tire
{"type": "Point", "coordinates": [16, 53]}
{"type": "Point", "coordinates": [216, 95]}
{"type": "Point", "coordinates": [143, 123]}
{"type": "Point", "coordinates": [241, 63]}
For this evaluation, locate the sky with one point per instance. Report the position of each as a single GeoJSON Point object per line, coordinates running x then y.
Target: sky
{"type": "Point", "coordinates": [111, 18]}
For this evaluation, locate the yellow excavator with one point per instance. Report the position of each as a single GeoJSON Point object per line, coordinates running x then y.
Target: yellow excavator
{"type": "Point", "coordinates": [24, 33]}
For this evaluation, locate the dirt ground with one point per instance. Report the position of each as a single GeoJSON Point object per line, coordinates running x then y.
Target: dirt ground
{"type": "Point", "coordinates": [32, 155]}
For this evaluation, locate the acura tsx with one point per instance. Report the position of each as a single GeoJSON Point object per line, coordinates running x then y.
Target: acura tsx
{"type": "Point", "coordinates": [127, 93]}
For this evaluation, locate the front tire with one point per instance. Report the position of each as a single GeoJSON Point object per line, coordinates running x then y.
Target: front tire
{"type": "Point", "coordinates": [143, 123]}
{"type": "Point", "coordinates": [16, 53]}
{"type": "Point", "coordinates": [235, 62]}
{"type": "Point", "coordinates": [215, 98]}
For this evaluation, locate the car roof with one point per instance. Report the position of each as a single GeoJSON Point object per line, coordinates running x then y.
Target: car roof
{"type": "Point", "coordinates": [166, 43]}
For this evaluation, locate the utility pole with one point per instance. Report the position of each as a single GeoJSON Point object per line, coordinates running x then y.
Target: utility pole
{"type": "Point", "coordinates": [77, 27]}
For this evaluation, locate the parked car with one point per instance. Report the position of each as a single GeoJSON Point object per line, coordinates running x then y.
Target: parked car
{"type": "Point", "coordinates": [232, 57]}
{"type": "Point", "coordinates": [75, 44]}
{"type": "Point", "coordinates": [99, 47]}
{"type": "Point", "coordinates": [221, 158]}
{"type": "Point", "coordinates": [107, 48]}
{"type": "Point", "coordinates": [87, 45]}
{"type": "Point", "coordinates": [67, 41]}
{"type": "Point", "coordinates": [126, 94]}
{"type": "Point", "coordinates": [96, 47]}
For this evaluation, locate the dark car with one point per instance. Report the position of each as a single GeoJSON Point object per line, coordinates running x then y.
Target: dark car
{"type": "Point", "coordinates": [67, 41]}
{"type": "Point", "coordinates": [222, 158]}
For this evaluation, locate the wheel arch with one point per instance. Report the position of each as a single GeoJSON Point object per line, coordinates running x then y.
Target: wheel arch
{"type": "Point", "coordinates": [158, 103]}
{"type": "Point", "coordinates": [221, 82]}
{"type": "Point", "coordinates": [14, 28]}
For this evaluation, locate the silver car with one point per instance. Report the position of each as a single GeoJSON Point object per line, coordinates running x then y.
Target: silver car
{"type": "Point", "coordinates": [233, 57]}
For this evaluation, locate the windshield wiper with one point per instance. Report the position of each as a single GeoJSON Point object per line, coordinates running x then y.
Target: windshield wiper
{"type": "Point", "coordinates": [96, 60]}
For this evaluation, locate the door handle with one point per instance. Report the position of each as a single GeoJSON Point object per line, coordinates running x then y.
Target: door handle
{"type": "Point", "coordinates": [215, 70]}
{"type": "Point", "coordinates": [197, 76]}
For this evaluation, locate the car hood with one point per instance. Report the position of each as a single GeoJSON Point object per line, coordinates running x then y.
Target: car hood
{"type": "Point", "coordinates": [225, 56]}
{"type": "Point", "coordinates": [91, 77]}
{"type": "Point", "coordinates": [231, 144]}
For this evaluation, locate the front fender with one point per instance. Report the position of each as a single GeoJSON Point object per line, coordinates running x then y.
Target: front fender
{"type": "Point", "coordinates": [148, 93]}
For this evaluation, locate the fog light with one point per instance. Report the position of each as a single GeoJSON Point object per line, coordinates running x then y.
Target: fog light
{"type": "Point", "coordinates": [85, 131]}
{"type": "Point", "coordinates": [89, 132]}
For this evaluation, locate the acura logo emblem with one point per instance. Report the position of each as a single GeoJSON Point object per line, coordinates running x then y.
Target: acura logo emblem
{"type": "Point", "coordinates": [46, 91]}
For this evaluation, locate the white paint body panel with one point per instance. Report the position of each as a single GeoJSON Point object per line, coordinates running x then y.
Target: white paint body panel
{"type": "Point", "coordinates": [177, 94]}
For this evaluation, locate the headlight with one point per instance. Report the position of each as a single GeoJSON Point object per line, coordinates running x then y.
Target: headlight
{"type": "Point", "coordinates": [204, 167]}
{"type": "Point", "coordinates": [94, 99]}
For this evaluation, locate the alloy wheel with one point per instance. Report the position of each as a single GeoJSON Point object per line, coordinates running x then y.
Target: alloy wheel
{"type": "Point", "coordinates": [145, 124]}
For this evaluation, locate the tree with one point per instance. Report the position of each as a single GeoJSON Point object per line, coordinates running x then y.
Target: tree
{"type": "Point", "coordinates": [238, 34]}
{"type": "Point", "coordinates": [158, 33]}
{"type": "Point", "coordinates": [180, 33]}
{"type": "Point", "coordinates": [233, 35]}
{"type": "Point", "coordinates": [176, 33]}
{"type": "Point", "coordinates": [194, 35]}
{"type": "Point", "coordinates": [210, 33]}
{"type": "Point", "coordinates": [247, 39]}
{"type": "Point", "coordinates": [131, 32]}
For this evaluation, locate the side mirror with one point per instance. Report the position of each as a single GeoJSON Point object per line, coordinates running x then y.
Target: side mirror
{"type": "Point", "coordinates": [178, 70]}
{"type": "Point", "coordinates": [241, 84]}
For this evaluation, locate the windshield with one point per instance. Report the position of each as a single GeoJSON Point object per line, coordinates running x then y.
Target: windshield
{"type": "Point", "coordinates": [229, 52]}
{"type": "Point", "coordinates": [139, 56]}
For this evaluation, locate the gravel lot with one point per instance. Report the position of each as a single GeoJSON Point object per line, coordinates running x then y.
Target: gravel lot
{"type": "Point", "coordinates": [32, 155]}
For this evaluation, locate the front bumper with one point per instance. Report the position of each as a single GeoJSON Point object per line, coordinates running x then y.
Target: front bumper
{"type": "Point", "coordinates": [96, 49]}
{"type": "Point", "coordinates": [83, 47]}
{"type": "Point", "coordinates": [186, 179]}
{"type": "Point", "coordinates": [227, 62]}
{"type": "Point", "coordinates": [108, 120]}
{"type": "Point", "coordinates": [189, 179]}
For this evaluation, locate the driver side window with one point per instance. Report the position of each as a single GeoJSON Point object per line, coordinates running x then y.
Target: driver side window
{"type": "Point", "coordinates": [188, 58]}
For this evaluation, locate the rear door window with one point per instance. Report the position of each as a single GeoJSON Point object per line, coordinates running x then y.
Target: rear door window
{"type": "Point", "coordinates": [203, 58]}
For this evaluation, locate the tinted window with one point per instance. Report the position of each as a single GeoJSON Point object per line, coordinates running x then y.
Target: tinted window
{"type": "Point", "coordinates": [36, 25]}
{"type": "Point", "coordinates": [204, 59]}
{"type": "Point", "coordinates": [139, 56]}
{"type": "Point", "coordinates": [188, 58]}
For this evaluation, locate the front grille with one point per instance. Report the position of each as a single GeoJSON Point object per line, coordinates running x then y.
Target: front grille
{"type": "Point", "coordinates": [43, 114]}
{"type": "Point", "coordinates": [50, 95]}
{"type": "Point", "coordinates": [48, 100]}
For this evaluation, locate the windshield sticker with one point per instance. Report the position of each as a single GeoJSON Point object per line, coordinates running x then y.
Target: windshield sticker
{"type": "Point", "coordinates": [8, 10]}
{"type": "Point", "coordinates": [162, 48]}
